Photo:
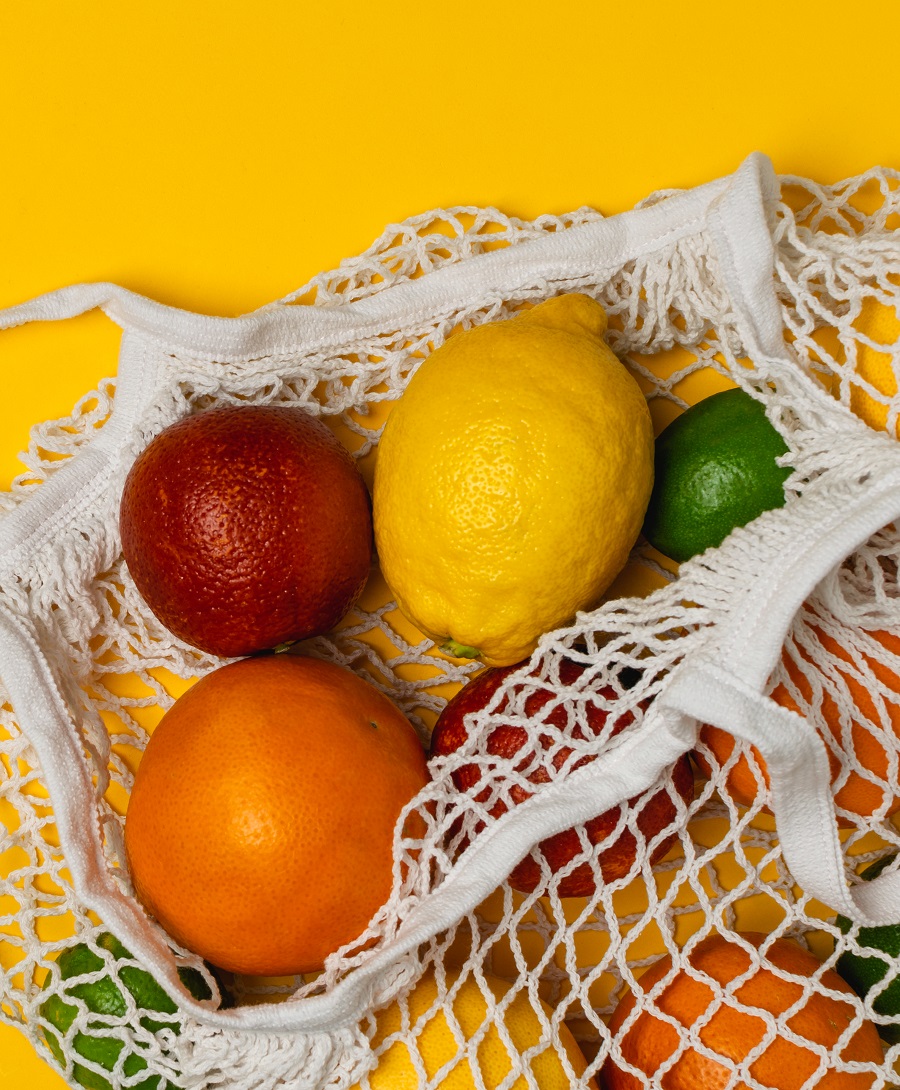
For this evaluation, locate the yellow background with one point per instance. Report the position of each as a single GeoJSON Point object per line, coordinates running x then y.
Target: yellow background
{"type": "Point", "coordinates": [216, 156]}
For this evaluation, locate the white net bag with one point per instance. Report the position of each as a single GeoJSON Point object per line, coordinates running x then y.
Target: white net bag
{"type": "Point", "coordinates": [785, 638]}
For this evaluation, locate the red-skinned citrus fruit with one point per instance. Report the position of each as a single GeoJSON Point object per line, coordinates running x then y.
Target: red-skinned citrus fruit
{"type": "Point", "coordinates": [506, 740]}
{"type": "Point", "coordinates": [246, 527]}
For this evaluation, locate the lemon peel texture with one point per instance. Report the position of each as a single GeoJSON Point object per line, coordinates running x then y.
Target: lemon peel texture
{"type": "Point", "coordinates": [512, 480]}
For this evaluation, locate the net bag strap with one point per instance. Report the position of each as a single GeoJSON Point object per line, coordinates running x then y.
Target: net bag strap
{"type": "Point", "coordinates": [734, 210]}
{"type": "Point", "coordinates": [794, 548]}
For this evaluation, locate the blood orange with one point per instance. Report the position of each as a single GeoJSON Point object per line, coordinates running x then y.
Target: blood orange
{"type": "Point", "coordinates": [507, 740]}
{"type": "Point", "coordinates": [246, 527]}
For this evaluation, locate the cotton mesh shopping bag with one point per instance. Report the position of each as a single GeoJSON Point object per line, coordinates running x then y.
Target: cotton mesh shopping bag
{"type": "Point", "coordinates": [784, 639]}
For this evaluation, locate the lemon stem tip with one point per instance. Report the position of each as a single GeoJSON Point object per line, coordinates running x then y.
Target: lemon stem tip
{"type": "Point", "coordinates": [459, 650]}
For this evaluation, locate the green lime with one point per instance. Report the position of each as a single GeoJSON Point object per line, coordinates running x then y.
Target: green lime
{"type": "Point", "coordinates": [715, 469]}
{"type": "Point", "coordinates": [104, 997]}
{"type": "Point", "coordinates": [864, 974]}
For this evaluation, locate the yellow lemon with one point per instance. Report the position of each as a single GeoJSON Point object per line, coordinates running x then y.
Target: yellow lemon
{"type": "Point", "coordinates": [881, 325]}
{"type": "Point", "coordinates": [436, 1043]}
{"type": "Point", "coordinates": [512, 480]}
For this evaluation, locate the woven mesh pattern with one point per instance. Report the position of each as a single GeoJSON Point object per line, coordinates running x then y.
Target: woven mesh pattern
{"type": "Point", "coordinates": [569, 959]}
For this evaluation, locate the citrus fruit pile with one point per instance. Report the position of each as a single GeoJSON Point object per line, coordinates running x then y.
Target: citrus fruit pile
{"type": "Point", "coordinates": [511, 484]}
{"type": "Point", "coordinates": [513, 479]}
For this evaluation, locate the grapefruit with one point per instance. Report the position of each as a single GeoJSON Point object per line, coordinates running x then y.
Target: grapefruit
{"type": "Point", "coordinates": [260, 827]}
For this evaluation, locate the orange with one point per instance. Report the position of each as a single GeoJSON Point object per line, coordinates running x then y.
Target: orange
{"type": "Point", "coordinates": [260, 827]}
{"type": "Point", "coordinates": [733, 1033]}
{"type": "Point", "coordinates": [856, 794]}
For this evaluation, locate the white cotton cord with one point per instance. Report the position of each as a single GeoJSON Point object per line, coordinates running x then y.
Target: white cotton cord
{"type": "Point", "coordinates": [213, 1059]}
{"type": "Point", "coordinates": [556, 258]}
{"type": "Point", "coordinates": [711, 273]}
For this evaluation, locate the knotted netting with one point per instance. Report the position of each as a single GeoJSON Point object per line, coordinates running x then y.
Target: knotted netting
{"type": "Point", "coordinates": [774, 659]}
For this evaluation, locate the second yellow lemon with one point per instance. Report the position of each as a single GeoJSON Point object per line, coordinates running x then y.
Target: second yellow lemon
{"type": "Point", "coordinates": [512, 480]}
{"type": "Point", "coordinates": [881, 325]}
{"type": "Point", "coordinates": [446, 1042]}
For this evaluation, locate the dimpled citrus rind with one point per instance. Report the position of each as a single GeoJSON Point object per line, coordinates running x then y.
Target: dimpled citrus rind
{"type": "Point", "coordinates": [260, 827]}
{"type": "Point", "coordinates": [512, 480]}
{"type": "Point", "coordinates": [729, 1029]}
{"type": "Point", "coordinates": [437, 1044]}
{"type": "Point", "coordinates": [104, 997]}
{"type": "Point", "coordinates": [715, 470]}
{"type": "Point", "coordinates": [245, 527]}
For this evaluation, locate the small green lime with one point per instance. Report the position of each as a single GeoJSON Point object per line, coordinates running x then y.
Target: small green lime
{"type": "Point", "coordinates": [865, 973]}
{"type": "Point", "coordinates": [104, 997]}
{"type": "Point", "coordinates": [715, 469]}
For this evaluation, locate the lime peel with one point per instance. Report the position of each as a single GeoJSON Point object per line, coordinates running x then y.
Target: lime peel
{"type": "Point", "coordinates": [865, 974]}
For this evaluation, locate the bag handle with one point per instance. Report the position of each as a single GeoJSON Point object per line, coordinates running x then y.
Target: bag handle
{"type": "Point", "coordinates": [278, 328]}
{"type": "Point", "coordinates": [736, 206]}
{"type": "Point", "coordinates": [721, 682]}
{"type": "Point", "coordinates": [794, 548]}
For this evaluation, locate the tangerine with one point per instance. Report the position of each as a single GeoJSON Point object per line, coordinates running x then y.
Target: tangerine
{"type": "Point", "coordinates": [260, 827]}
{"type": "Point", "coordinates": [732, 1027]}
{"type": "Point", "coordinates": [856, 793]}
